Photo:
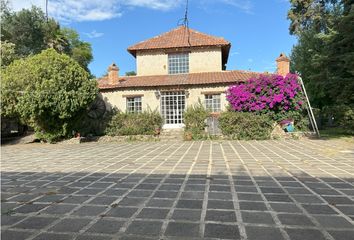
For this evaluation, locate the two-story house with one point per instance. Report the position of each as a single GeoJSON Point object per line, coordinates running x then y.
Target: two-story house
{"type": "Point", "coordinates": [174, 70]}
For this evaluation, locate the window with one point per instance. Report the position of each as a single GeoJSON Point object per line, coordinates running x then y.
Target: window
{"type": "Point", "coordinates": [134, 104]}
{"type": "Point", "coordinates": [178, 63]}
{"type": "Point", "coordinates": [212, 102]}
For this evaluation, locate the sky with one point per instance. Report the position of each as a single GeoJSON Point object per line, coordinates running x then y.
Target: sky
{"type": "Point", "coordinates": [257, 29]}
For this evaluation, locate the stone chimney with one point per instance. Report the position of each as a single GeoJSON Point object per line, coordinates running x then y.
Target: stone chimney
{"type": "Point", "coordinates": [283, 64]}
{"type": "Point", "coordinates": [113, 74]}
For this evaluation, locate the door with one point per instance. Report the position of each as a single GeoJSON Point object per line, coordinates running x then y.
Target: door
{"type": "Point", "coordinates": [172, 108]}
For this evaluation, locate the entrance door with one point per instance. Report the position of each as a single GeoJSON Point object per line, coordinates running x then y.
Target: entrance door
{"type": "Point", "coordinates": [172, 108]}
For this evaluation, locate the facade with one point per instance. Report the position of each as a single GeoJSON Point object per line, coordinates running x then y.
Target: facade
{"type": "Point", "coordinates": [174, 70]}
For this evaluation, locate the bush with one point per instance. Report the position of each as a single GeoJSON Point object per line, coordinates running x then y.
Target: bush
{"type": "Point", "coordinates": [194, 120]}
{"type": "Point", "coordinates": [47, 91]}
{"type": "Point", "coordinates": [266, 93]}
{"type": "Point", "coordinates": [144, 123]}
{"type": "Point", "coordinates": [342, 115]}
{"type": "Point", "coordinates": [300, 117]}
{"type": "Point", "coordinates": [245, 125]}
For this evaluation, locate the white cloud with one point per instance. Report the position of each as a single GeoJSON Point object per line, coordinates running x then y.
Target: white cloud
{"type": "Point", "coordinates": [234, 53]}
{"type": "Point", "coordinates": [92, 10]}
{"type": "Point", "coordinates": [94, 34]}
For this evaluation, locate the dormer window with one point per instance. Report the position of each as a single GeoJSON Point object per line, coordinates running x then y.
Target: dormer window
{"type": "Point", "coordinates": [178, 63]}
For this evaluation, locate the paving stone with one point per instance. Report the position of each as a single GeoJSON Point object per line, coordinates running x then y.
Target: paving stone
{"type": "Point", "coordinates": [220, 188]}
{"type": "Point", "coordinates": [139, 193]}
{"type": "Point", "coordinates": [305, 234]}
{"type": "Point", "coordinates": [9, 220]}
{"type": "Point", "coordinates": [102, 200]}
{"type": "Point", "coordinates": [145, 228]}
{"type": "Point", "coordinates": [114, 192]}
{"type": "Point", "coordinates": [122, 212]}
{"type": "Point", "coordinates": [263, 233]}
{"type": "Point", "coordinates": [35, 223]}
{"type": "Point", "coordinates": [220, 196]}
{"type": "Point", "coordinates": [277, 198]}
{"type": "Point", "coordinates": [192, 195]}
{"type": "Point", "coordinates": [14, 235]}
{"type": "Point", "coordinates": [89, 191]}
{"type": "Point", "coordinates": [30, 208]}
{"type": "Point", "coordinates": [221, 231]}
{"type": "Point", "coordinates": [132, 201]}
{"type": "Point", "coordinates": [217, 204]}
{"type": "Point", "coordinates": [285, 207]}
{"type": "Point", "coordinates": [348, 210]}
{"type": "Point", "coordinates": [188, 215]}
{"type": "Point", "coordinates": [295, 219]}
{"type": "Point", "coordinates": [220, 216]}
{"type": "Point", "coordinates": [182, 229]}
{"type": "Point", "coordinates": [333, 222]}
{"type": "Point", "coordinates": [257, 217]}
{"type": "Point", "coordinates": [53, 236]}
{"type": "Point", "coordinates": [89, 211]}
{"type": "Point", "coordinates": [106, 226]}
{"type": "Point", "coordinates": [249, 197]}
{"type": "Point", "coordinates": [76, 199]}
{"type": "Point", "coordinates": [194, 187]}
{"type": "Point", "coordinates": [165, 194]}
{"type": "Point", "coordinates": [318, 209]}
{"type": "Point", "coordinates": [246, 189]}
{"type": "Point", "coordinates": [342, 235]}
{"type": "Point", "coordinates": [59, 209]}
{"type": "Point", "coordinates": [253, 206]}
{"type": "Point", "coordinates": [193, 204]}
{"type": "Point", "coordinates": [70, 225]}
{"type": "Point", "coordinates": [307, 199]}
{"type": "Point", "coordinates": [157, 202]}
{"type": "Point", "coordinates": [338, 200]}
{"type": "Point", "coordinates": [153, 213]}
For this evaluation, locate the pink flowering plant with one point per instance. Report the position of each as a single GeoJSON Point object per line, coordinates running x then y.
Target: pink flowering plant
{"type": "Point", "coordinates": [268, 93]}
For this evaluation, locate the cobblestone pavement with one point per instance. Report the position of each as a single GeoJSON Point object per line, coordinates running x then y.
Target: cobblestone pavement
{"type": "Point", "coordinates": [298, 190]}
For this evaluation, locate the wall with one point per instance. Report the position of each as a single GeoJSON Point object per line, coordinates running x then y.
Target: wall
{"type": "Point", "coordinates": [117, 98]}
{"type": "Point", "coordinates": [200, 60]}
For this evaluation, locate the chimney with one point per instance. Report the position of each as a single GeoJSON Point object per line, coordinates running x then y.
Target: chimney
{"type": "Point", "coordinates": [113, 73]}
{"type": "Point", "coordinates": [283, 64]}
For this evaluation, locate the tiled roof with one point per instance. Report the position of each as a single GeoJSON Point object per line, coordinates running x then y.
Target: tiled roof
{"type": "Point", "coordinates": [178, 38]}
{"type": "Point", "coordinates": [222, 77]}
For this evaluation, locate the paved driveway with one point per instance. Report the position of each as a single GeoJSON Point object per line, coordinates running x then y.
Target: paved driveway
{"type": "Point", "coordinates": [298, 190]}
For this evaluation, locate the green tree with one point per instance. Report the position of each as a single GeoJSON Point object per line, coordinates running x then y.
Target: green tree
{"type": "Point", "coordinates": [130, 73]}
{"type": "Point", "coordinates": [31, 33]}
{"type": "Point", "coordinates": [8, 54]}
{"type": "Point", "coordinates": [47, 91]}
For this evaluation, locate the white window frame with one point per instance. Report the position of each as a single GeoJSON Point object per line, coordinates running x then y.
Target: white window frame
{"type": "Point", "coordinates": [134, 104]}
{"type": "Point", "coordinates": [213, 102]}
{"type": "Point", "coordinates": [178, 63]}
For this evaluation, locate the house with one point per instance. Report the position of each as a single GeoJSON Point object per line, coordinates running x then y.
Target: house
{"type": "Point", "coordinates": [174, 70]}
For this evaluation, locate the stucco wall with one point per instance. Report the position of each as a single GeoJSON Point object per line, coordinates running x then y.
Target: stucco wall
{"type": "Point", "coordinates": [117, 98]}
{"type": "Point", "coordinates": [205, 60]}
{"type": "Point", "coordinates": [200, 60]}
{"type": "Point", "coordinates": [151, 63]}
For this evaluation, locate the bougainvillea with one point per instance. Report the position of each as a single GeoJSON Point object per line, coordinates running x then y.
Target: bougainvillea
{"type": "Point", "coordinates": [266, 93]}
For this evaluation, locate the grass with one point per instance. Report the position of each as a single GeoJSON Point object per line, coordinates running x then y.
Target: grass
{"type": "Point", "coordinates": [336, 133]}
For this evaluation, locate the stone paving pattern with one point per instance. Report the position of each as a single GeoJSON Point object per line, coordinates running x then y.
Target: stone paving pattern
{"type": "Point", "coordinates": [253, 190]}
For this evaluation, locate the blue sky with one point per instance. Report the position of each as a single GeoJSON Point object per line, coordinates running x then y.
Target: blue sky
{"type": "Point", "coordinates": [257, 29]}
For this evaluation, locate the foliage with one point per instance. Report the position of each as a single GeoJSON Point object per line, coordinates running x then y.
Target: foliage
{"type": "Point", "coordinates": [266, 93]}
{"type": "Point", "coordinates": [47, 91]}
{"type": "Point", "coordinates": [324, 55]}
{"type": "Point", "coordinates": [8, 54]}
{"type": "Point", "coordinates": [194, 120]}
{"type": "Point", "coordinates": [144, 123]}
{"type": "Point", "coordinates": [130, 73]}
{"type": "Point", "coordinates": [245, 125]}
{"type": "Point", "coordinates": [32, 32]}
{"type": "Point", "coordinates": [342, 115]}
{"type": "Point", "coordinates": [300, 117]}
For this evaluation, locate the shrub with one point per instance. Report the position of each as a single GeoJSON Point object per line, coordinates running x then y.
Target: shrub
{"type": "Point", "coordinates": [343, 117]}
{"type": "Point", "coordinates": [266, 93]}
{"type": "Point", "coordinates": [194, 120]}
{"type": "Point", "coordinates": [245, 125]}
{"type": "Point", "coordinates": [144, 123]}
{"type": "Point", "coordinates": [47, 91]}
{"type": "Point", "coordinates": [300, 117]}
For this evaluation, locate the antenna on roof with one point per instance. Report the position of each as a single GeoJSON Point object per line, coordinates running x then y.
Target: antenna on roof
{"type": "Point", "coordinates": [185, 22]}
{"type": "Point", "coordinates": [46, 9]}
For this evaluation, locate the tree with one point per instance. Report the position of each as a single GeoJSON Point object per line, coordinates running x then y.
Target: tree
{"type": "Point", "coordinates": [32, 32]}
{"type": "Point", "coordinates": [130, 73]}
{"type": "Point", "coordinates": [47, 91]}
{"type": "Point", "coordinates": [8, 54]}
